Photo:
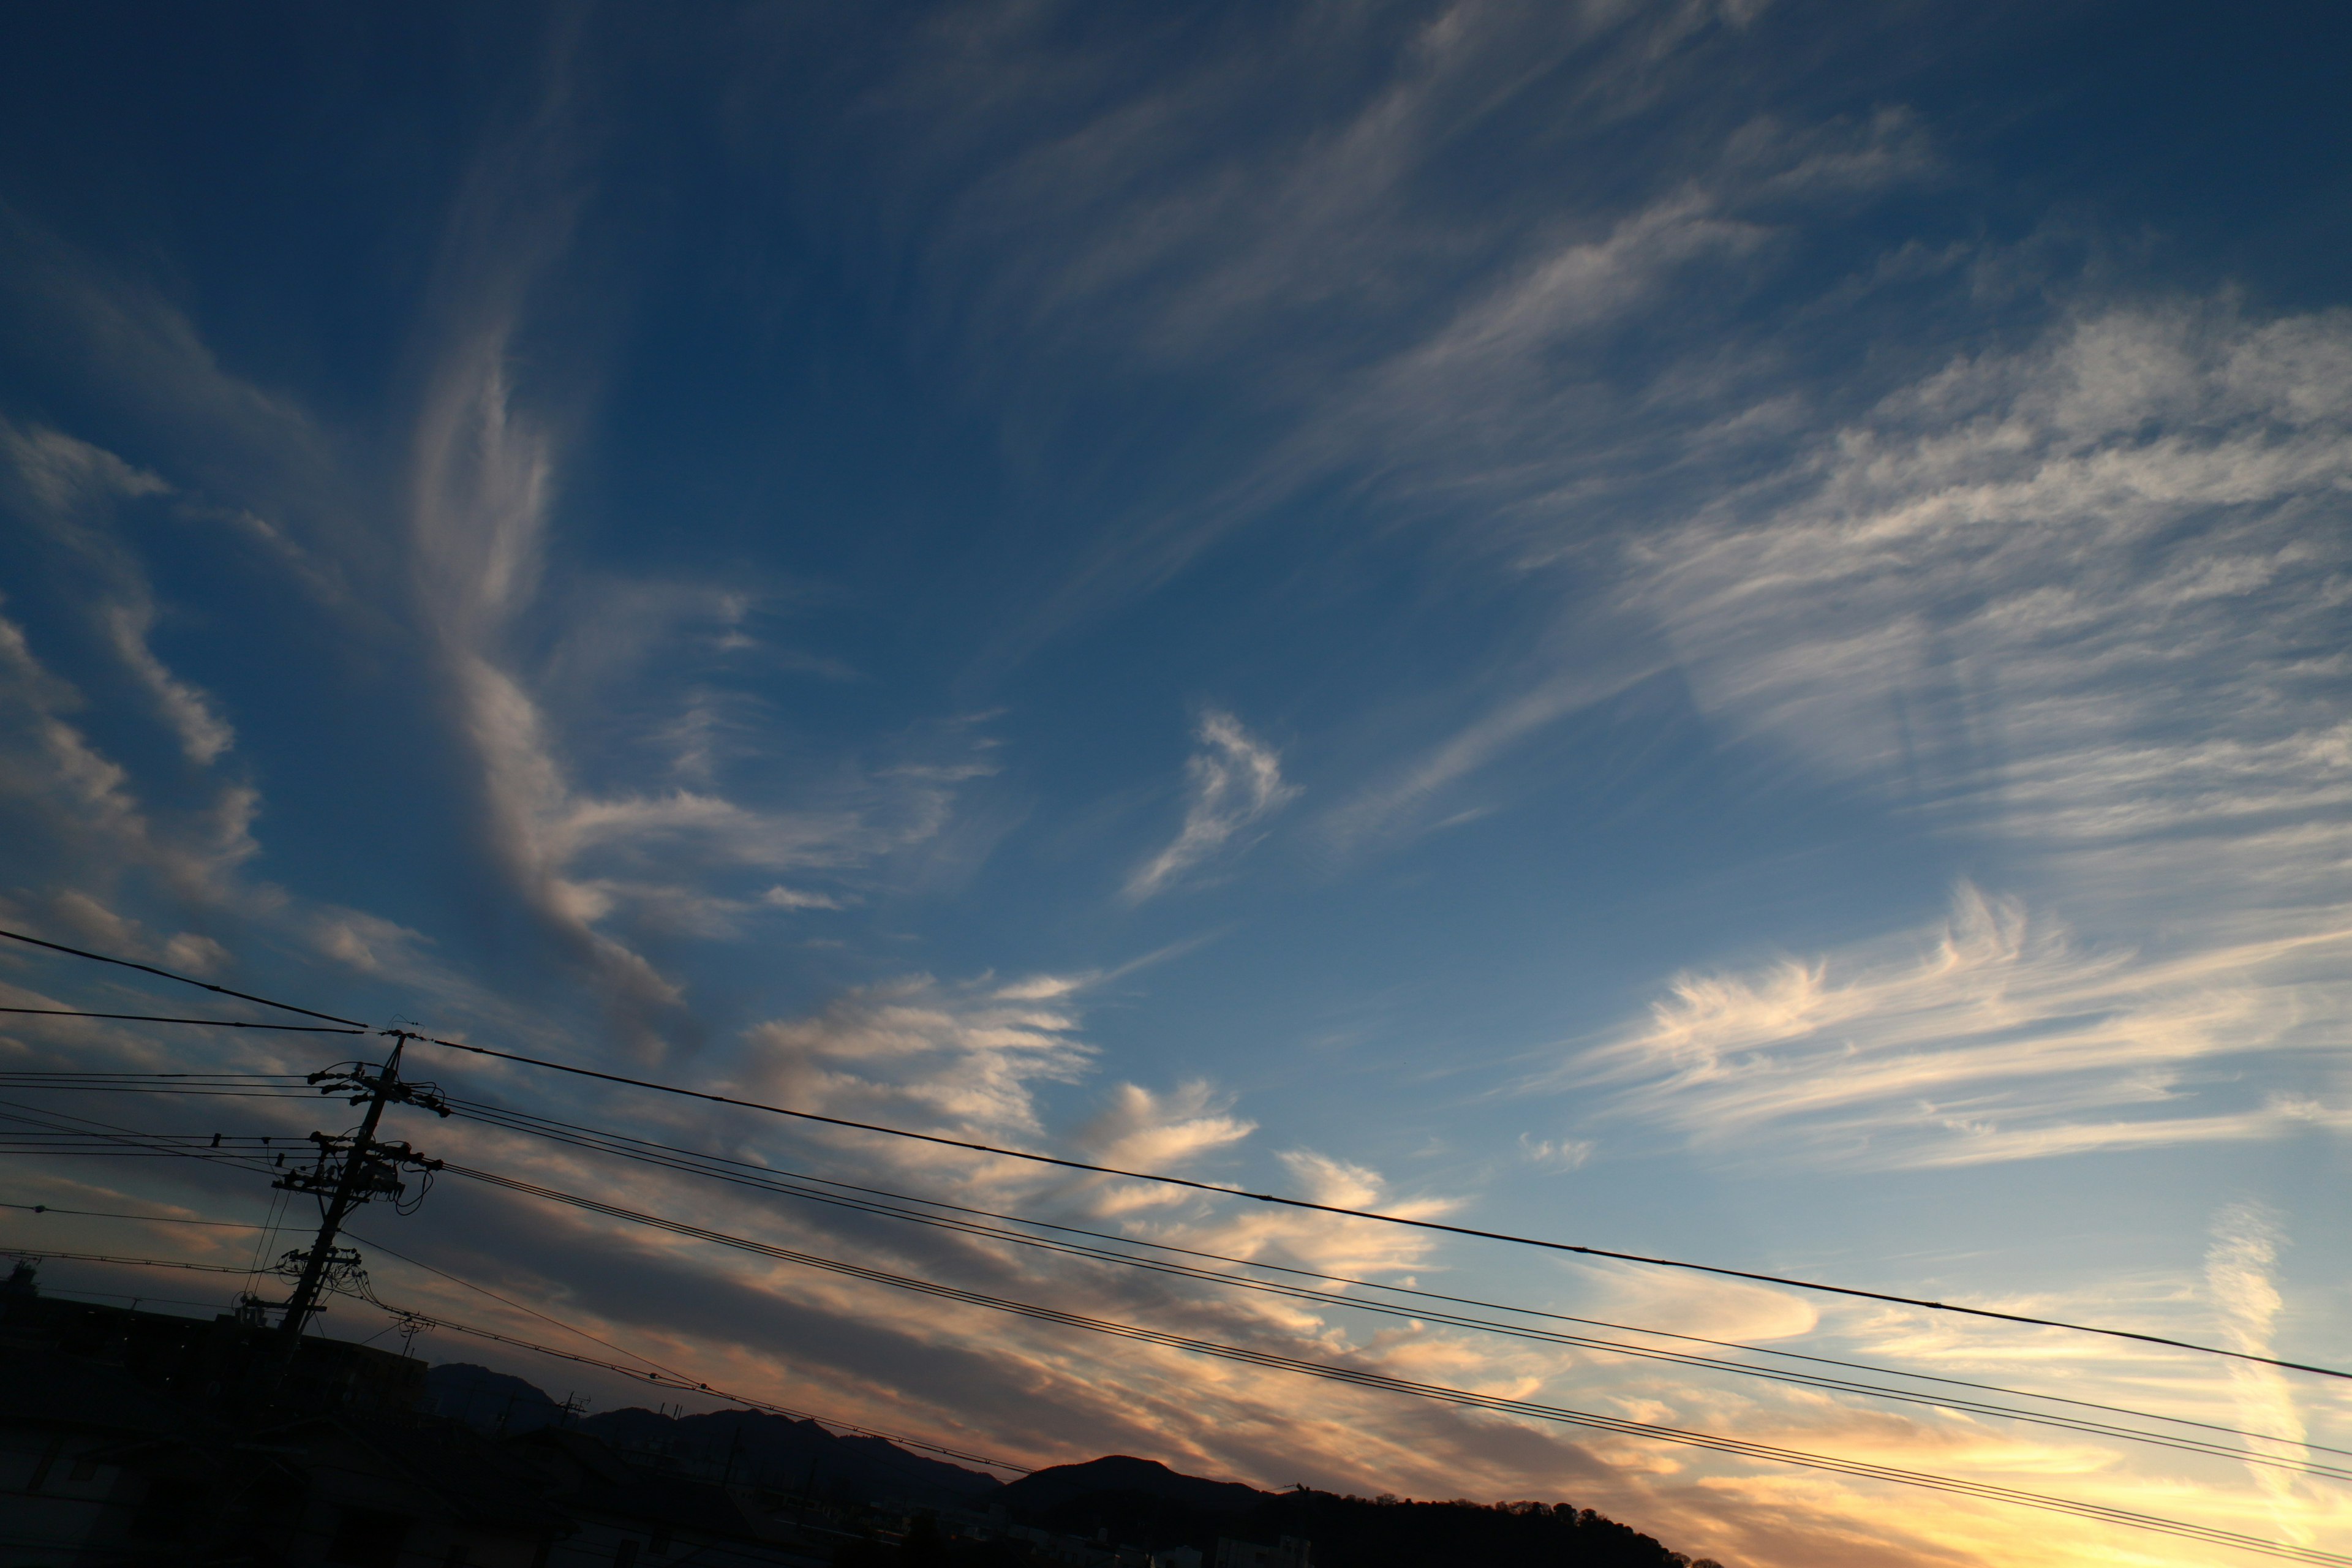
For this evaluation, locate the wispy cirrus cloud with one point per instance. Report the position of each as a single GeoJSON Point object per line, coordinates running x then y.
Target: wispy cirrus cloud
{"type": "Point", "coordinates": [957, 1055]}
{"type": "Point", "coordinates": [2076, 595]}
{"type": "Point", "coordinates": [87, 827]}
{"type": "Point", "coordinates": [67, 488]}
{"type": "Point", "coordinates": [1995, 1036]}
{"type": "Point", "coordinates": [2241, 1266]}
{"type": "Point", "coordinates": [1234, 782]}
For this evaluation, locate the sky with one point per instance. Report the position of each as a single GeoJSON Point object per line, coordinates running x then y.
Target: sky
{"type": "Point", "coordinates": [1713, 628]}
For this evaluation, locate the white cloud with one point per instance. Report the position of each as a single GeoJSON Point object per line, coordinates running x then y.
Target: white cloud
{"type": "Point", "coordinates": [197, 954]}
{"type": "Point", "coordinates": [2080, 596]}
{"type": "Point", "coordinates": [2239, 1267]}
{"type": "Point", "coordinates": [1555, 1153]}
{"type": "Point", "coordinates": [68, 486]}
{"type": "Point", "coordinates": [203, 734]}
{"type": "Point", "coordinates": [80, 818]}
{"type": "Point", "coordinates": [1995, 1036]}
{"type": "Point", "coordinates": [1140, 1130]}
{"type": "Point", "coordinates": [1234, 782]}
{"type": "Point", "coordinates": [2081, 600]}
{"type": "Point", "coordinates": [596, 837]}
{"type": "Point", "coordinates": [1594, 673]}
{"type": "Point", "coordinates": [1736, 1310]}
{"type": "Point", "coordinates": [964, 1058]}
{"type": "Point", "coordinates": [67, 477]}
{"type": "Point", "coordinates": [783, 898]}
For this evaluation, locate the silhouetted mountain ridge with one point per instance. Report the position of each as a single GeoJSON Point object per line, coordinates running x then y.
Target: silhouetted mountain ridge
{"type": "Point", "coordinates": [491, 1400]}
{"type": "Point", "coordinates": [745, 1446]}
{"type": "Point", "coordinates": [1042, 1492]}
{"type": "Point", "coordinates": [1117, 1498]}
{"type": "Point", "coordinates": [751, 1445]}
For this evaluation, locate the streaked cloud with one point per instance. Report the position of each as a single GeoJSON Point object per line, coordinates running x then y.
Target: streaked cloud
{"type": "Point", "coordinates": [67, 488]}
{"type": "Point", "coordinates": [2074, 594]}
{"type": "Point", "coordinates": [1232, 782]}
{"type": "Point", "coordinates": [753, 602]}
{"type": "Point", "coordinates": [964, 1057]}
{"type": "Point", "coordinates": [1994, 1035]}
{"type": "Point", "coordinates": [2240, 1268]}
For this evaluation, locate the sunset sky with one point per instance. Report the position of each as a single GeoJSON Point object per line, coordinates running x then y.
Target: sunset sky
{"type": "Point", "coordinates": [1716, 628]}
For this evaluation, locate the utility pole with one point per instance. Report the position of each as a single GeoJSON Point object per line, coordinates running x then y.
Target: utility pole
{"type": "Point", "coordinates": [734, 1447]}
{"type": "Point", "coordinates": [351, 1171]}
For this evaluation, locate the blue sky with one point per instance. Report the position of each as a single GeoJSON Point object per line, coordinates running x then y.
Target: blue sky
{"type": "Point", "coordinates": [1715, 629]}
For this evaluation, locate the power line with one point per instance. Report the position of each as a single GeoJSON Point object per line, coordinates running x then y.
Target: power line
{"type": "Point", "coordinates": [663, 1377]}
{"type": "Point", "coordinates": [770, 1178]}
{"type": "Point", "coordinates": [149, 1218]}
{"type": "Point", "coordinates": [669, 1377]}
{"type": "Point", "coordinates": [1356, 1376]}
{"type": "Point", "coordinates": [226, 1087]}
{"type": "Point", "coordinates": [762, 1179]}
{"type": "Point", "coordinates": [1363, 1378]}
{"type": "Point", "coordinates": [687, 1386]}
{"type": "Point", "coordinates": [352, 1023]}
{"type": "Point", "coordinates": [37, 1255]}
{"type": "Point", "coordinates": [10, 1111]}
{"type": "Point", "coordinates": [1186, 1182]}
{"type": "Point", "coordinates": [223, 1086]}
{"type": "Point", "coordinates": [151, 1083]}
{"type": "Point", "coordinates": [1398, 1219]}
{"type": "Point", "coordinates": [72, 1295]}
{"type": "Point", "coordinates": [69, 1078]}
{"type": "Point", "coordinates": [152, 1019]}
{"type": "Point", "coordinates": [517, 1306]}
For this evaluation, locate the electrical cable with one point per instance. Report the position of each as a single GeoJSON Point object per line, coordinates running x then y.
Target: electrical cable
{"type": "Point", "coordinates": [152, 1019]}
{"type": "Point", "coordinates": [1395, 1219]}
{"type": "Point", "coordinates": [1357, 1376]}
{"type": "Point", "coordinates": [228, 1086]}
{"type": "Point", "coordinates": [67, 1077]}
{"type": "Point", "coordinates": [34, 1255]}
{"type": "Point", "coordinates": [667, 1373]}
{"type": "Point", "coordinates": [517, 1306]}
{"type": "Point", "coordinates": [149, 1218]}
{"type": "Point", "coordinates": [1186, 1182]}
{"type": "Point", "coordinates": [156, 1082]}
{"type": "Point", "coordinates": [1363, 1378]}
{"type": "Point", "coordinates": [280, 1198]}
{"type": "Point", "coordinates": [133, 1140]}
{"type": "Point", "coordinates": [514, 1121]}
{"type": "Point", "coordinates": [68, 1295]}
{"type": "Point", "coordinates": [764, 1179]}
{"type": "Point", "coordinates": [663, 1376]}
{"type": "Point", "coordinates": [687, 1386]}
{"type": "Point", "coordinates": [557, 1130]}
{"type": "Point", "coordinates": [141, 1088]}
{"type": "Point", "coordinates": [353, 1024]}
{"type": "Point", "coordinates": [767, 1180]}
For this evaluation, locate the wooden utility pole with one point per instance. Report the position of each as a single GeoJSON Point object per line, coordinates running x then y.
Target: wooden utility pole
{"type": "Point", "coordinates": [351, 1172]}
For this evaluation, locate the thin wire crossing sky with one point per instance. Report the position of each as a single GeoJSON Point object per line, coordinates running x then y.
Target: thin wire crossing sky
{"type": "Point", "coordinates": [1714, 630]}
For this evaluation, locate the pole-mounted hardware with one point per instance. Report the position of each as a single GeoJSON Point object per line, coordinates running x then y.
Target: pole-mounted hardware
{"type": "Point", "coordinates": [352, 1168]}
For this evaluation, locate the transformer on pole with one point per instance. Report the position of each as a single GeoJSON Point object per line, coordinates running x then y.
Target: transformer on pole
{"type": "Point", "coordinates": [352, 1168]}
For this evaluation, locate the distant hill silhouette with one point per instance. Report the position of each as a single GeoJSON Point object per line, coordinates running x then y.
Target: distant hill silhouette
{"type": "Point", "coordinates": [1139, 1502]}
{"type": "Point", "coordinates": [774, 1450]}
{"type": "Point", "coordinates": [1046, 1490]}
{"type": "Point", "coordinates": [1120, 1498]}
{"type": "Point", "coordinates": [799, 1454]}
{"type": "Point", "coordinates": [491, 1400]}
